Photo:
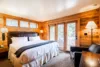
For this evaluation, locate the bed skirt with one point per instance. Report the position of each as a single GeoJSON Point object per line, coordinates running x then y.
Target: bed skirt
{"type": "Point", "coordinates": [35, 63]}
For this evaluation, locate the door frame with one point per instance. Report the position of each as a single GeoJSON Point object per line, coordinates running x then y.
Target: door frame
{"type": "Point", "coordinates": [77, 33]}
{"type": "Point", "coordinates": [65, 31]}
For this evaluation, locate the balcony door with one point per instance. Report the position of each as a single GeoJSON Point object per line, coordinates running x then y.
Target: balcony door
{"type": "Point", "coordinates": [60, 36]}
{"type": "Point", "coordinates": [71, 35]}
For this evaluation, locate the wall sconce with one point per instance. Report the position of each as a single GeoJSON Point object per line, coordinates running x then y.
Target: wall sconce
{"type": "Point", "coordinates": [3, 31]}
{"type": "Point", "coordinates": [41, 31]}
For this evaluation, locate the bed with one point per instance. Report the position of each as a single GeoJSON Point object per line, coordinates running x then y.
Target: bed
{"type": "Point", "coordinates": [39, 53]}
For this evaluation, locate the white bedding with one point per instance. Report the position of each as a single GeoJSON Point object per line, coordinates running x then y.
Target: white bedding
{"type": "Point", "coordinates": [39, 54]}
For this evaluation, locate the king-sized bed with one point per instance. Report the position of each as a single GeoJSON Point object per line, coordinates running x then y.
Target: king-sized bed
{"type": "Point", "coordinates": [26, 49]}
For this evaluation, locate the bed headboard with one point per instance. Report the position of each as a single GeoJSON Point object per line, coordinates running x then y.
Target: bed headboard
{"type": "Point", "coordinates": [20, 34]}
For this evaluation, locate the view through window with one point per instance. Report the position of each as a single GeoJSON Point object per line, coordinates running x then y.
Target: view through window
{"type": "Point", "coordinates": [52, 32]}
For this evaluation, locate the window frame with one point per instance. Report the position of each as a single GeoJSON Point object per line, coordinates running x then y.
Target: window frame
{"type": "Point", "coordinates": [55, 31]}
{"type": "Point", "coordinates": [12, 19]}
{"type": "Point", "coordinates": [33, 23]}
{"type": "Point", "coordinates": [24, 22]}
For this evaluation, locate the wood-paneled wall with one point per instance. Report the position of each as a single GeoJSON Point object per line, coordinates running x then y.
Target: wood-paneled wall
{"type": "Point", "coordinates": [3, 18]}
{"type": "Point", "coordinates": [83, 19]}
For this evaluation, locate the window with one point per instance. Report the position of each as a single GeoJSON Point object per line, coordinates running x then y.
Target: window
{"type": "Point", "coordinates": [61, 35]}
{"type": "Point", "coordinates": [33, 25]}
{"type": "Point", "coordinates": [24, 24]}
{"type": "Point", "coordinates": [52, 32]}
{"type": "Point", "coordinates": [11, 22]}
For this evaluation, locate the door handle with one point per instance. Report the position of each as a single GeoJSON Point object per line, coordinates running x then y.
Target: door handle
{"type": "Point", "coordinates": [76, 37]}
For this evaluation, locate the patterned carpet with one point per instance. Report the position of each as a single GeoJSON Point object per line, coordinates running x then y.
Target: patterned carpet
{"type": "Point", "coordinates": [63, 60]}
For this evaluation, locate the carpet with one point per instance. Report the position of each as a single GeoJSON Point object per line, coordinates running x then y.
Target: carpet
{"type": "Point", "coordinates": [5, 63]}
{"type": "Point", "coordinates": [62, 60]}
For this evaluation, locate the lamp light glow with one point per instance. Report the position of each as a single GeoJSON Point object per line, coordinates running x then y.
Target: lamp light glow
{"type": "Point", "coordinates": [41, 31]}
{"type": "Point", "coordinates": [91, 25]}
{"type": "Point", "coordinates": [4, 30]}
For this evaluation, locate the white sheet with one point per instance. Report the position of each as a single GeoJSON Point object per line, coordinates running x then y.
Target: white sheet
{"type": "Point", "coordinates": [16, 46]}
{"type": "Point", "coordinates": [44, 52]}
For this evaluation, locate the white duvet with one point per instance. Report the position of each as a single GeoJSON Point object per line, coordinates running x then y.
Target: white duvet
{"type": "Point", "coordinates": [39, 54]}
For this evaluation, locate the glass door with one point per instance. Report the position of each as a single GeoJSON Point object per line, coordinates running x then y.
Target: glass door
{"type": "Point", "coordinates": [71, 35]}
{"type": "Point", "coordinates": [60, 37]}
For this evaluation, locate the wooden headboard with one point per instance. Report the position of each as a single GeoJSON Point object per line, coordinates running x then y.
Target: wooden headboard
{"type": "Point", "coordinates": [20, 34]}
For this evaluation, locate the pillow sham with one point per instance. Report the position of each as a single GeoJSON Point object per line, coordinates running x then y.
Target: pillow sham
{"type": "Point", "coordinates": [19, 39]}
{"type": "Point", "coordinates": [34, 38]}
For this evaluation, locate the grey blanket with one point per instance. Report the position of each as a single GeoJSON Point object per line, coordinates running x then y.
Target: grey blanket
{"type": "Point", "coordinates": [22, 49]}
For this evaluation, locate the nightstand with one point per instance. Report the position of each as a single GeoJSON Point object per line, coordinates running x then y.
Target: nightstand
{"type": "Point", "coordinates": [3, 52]}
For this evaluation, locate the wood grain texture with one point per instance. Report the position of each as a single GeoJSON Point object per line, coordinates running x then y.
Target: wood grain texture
{"type": "Point", "coordinates": [11, 28]}
{"type": "Point", "coordinates": [82, 19]}
{"type": "Point", "coordinates": [90, 59]}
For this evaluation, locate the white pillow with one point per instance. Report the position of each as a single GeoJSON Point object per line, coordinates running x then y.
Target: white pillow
{"type": "Point", "coordinates": [34, 38]}
{"type": "Point", "coordinates": [19, 39]}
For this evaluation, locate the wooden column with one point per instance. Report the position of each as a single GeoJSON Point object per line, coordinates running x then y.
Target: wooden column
{"type": "Point", "coordinates": [99, 24]}
{"type": "Point", "coordinates": [65, 36]}
{"type": "Point", "coordinates": [56, 32]}
{"type": "Point", "coordinates": [78, 32]}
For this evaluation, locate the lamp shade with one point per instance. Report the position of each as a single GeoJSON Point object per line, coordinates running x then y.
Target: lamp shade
{"type": "Point", "coordinates": [95, 48]}
{"type": "Point", "coordinates": [91, 25]}
{"type": "Point", "coordinates": [4, 30]}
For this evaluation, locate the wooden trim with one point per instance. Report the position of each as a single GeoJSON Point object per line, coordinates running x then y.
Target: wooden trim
{"type": "Point", "coordinates": [99, 17]}
{"type": "Point", "coordinates": [56, 32]}
{"type": "Point", "coordinates": [4, 24]}
{"type": "Point", "coordinates": [28, 24]}
{"type": "Point", "coordinates": [78, 32]}
{"type": "Point", "coordinates": [18, 23]}
{"type": "Point", "coordinates": [65, 36]}
{"type": "Point", "coordinates": [16, 17]}
{"type": "Point", "coordinates": [75, 16]}
{"type": "Point", "coordinates": [99, 23]}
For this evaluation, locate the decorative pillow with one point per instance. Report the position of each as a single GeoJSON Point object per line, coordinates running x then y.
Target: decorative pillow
{"type": "Point", "coordinates": [34, 38]}
{"type": "Point", "coordinates": [19, 39]}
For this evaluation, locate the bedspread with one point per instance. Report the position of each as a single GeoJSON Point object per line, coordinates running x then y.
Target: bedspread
{"type": "Point", "coordinates": [39, 55]}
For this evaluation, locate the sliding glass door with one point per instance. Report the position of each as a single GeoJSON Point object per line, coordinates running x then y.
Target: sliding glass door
{"type": "Point", "coordinates": [60, 37]}
{"type": "Point", "coordinates": [52, 32]}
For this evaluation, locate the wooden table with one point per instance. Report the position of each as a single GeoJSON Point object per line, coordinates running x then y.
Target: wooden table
{"type": "Point", "coordinates": [3, 52]}
{"type": "Point", "coordinates": [89, 59]}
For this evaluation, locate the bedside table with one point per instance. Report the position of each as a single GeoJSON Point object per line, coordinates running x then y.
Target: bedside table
{"type": "Point", "coordinates": [3, 52]}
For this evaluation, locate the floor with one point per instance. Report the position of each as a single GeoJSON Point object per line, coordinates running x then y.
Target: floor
{"type": "Point", "coordinates": [63, 60]}
{"type": "Point", "coordinates": [5, 63]}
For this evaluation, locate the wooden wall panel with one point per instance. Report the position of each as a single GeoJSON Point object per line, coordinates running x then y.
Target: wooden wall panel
{"type": "Point", "coordinates": [83, 19]}
{"type": "Point", "coordinates": [3, 24]}
{"type": "Point", "coordinates": [44, 26]}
